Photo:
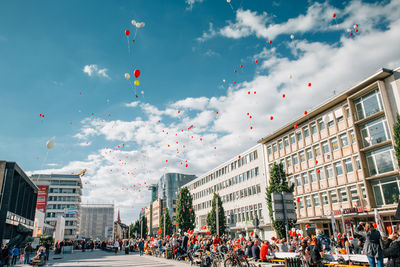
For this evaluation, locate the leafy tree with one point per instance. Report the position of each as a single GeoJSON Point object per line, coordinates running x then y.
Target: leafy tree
{"type": "Point", "coordinates": [396, 137]}
{"type": "Point", "coordinates": [144, 225]}
{"type": "Point", "coordinates": [168, 224]}
{"type": "Point", "coordinates": [184, 211]}
{"type": "Point", "coordinates": [212, 218]}
{"type": "Point", "coordinates": [278, 183]}
{"type": "Point", "coordinates": [131, 230]}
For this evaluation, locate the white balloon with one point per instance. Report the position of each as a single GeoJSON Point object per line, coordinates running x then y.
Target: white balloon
{"type": "Point", "coordinates": [140, 24]}
{"type": "Point", "coordinates": [228, 1]}
{"type": "Point", "coordinates": [127, 76]}
{"type": "Point", "coordinates": [50, 144]}
{"type": "Point", "coordinates": [142, 92]}
{"type": "Point", "coordinates": [348, 30]}
{"type": "Point", "coordinates": [292, 36]}
{"type": "Point", "coordinates": [133, 22]}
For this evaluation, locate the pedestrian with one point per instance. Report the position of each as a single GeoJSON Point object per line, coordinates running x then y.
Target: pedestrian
{"type": "Point", "coordinates": [392, 250]}
{"type": "Point", "coordinates": [116, 246]}
{"type": "Point", "coordinates": [47, 246]}
{"type": "Point", "coordinates": [5, 259]}
{"type": "Point", "coordinates": [15, 254]}
{"type": "Point", "coordinates": [27, 252]}
{"type": "Point", "coordinates": [372, 246]}
{"type": "Point", "coordinates": [255, 250]}
{"type": "Point", "coordinates": [141, 247]}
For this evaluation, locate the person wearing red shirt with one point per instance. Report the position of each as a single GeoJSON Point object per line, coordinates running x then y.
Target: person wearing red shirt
{"type": "Point", "coordinates": [264, 251]}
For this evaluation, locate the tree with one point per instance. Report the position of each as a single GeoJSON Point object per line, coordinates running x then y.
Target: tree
{"type": "Point", "coordinates": [278, 183]}
{"type": "Point", "coordinates": [396, 137]}
{"type": "Point", "coordinates": [185, 216]}
{"type": "Point", "coordinates": [144, 227]}
{"type": "Point", "coordinates": [212, 218]}
{"type": "Point", "coordinates": [131, 230]}
{"type": "Point", "coordinates": [168, 224]}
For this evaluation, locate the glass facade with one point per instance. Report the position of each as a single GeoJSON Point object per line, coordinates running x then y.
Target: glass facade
{"type": "Point", "coordinates": [380, 161]}
{"type": "Point", "coordinates": [368, 104]}
{"type": "Point", "coordinates": [386, 191]}
{"type": "Point", "coordinates": [374, 132]}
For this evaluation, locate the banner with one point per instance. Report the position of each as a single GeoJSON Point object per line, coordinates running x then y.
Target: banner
{"type": "Point", "coordinates": [379, 223]}
{"type": "Point", "coordinates": [41, 202]}
{"type": "Point", "coordinates": [334, 227]}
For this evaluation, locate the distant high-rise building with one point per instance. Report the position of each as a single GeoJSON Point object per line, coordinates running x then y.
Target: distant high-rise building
{"type": "Point", "coordinates": [62, 194]}
{"type": "Point", "coordinates": [95, 220]}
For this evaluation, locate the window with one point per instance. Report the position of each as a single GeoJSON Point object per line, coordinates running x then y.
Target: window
{"type": "Point", "coordinates": [298, 180]}
{"type": "Point", "coordinates": [291, 180]}
{"type": "Point", "coordinates": [286, 141]}
{"type": "Point", "coordinates": [280, 144]}
{"type": "Point", "coordinates": [347, 112]}
{"type": "Point", "coordinates": [309, 154]}
{"type": "Point", "coordinates": [301, 203]}
{"type": "Point", "coordinates": [299, 136]}
{"type": "Point", "coordinates": [313, 178]}
{"type": "Point", "coordinates": [334, 198]}
{"type": "Point", "coordinates": [338, 168]}
{"type": "Point", "coordinates": [292, 139]}
{"type": "Point", "coordinates": [374, 132]}
{"type": "Point", "coordinates": [354, 193]}
{"type": "Point", "coordinates": [368, 104]}
{"type": "Point", "coordinates": [317, 150]}
{"type": "Point", "coordinates": [256, 171]}
{"type": "Point", "coordinates": [329, 171]}
{"type": "Point", "coordinates": [315, 200]}
{"type": "Point", "coordinates": [313, 128]}
{"type": "Point", "coordinates": [343, 194]}
{"type": "Point", "coordinates": [343, 140]}
{"type": "Point", "coordinates": [331, 123]}
{"type": "Point", "coordinates": [308, 201]}
{"type": "Point", "coordinates": [325, 147]}
{"type": "Point", "coordinates": [358, 164]}
{"type": "Point", "coordinates": [334, 144]}
{"type": "Point", "coordinates": [295, 159]}
{"type": "Point", "coordinates": [349, 165]}
{"type": "Point", "coordinates": [352, 137]}
{"type": "Point", "coordinates": [302, 156]}
{"type": "Point", "coordinates": [305, 178]}
{"type": "Point", "coordinates": [306, 132]}
{"type": "Point", "coordinates": [324, 196]}
{"type": "Point", "coordinates": [289, 161]}
{"type": "Point", "coordinates": [321, 124]}
{"type": "Point", "coordinates": [283, 163]}
{"type": "Point", "coordinates": [255, 154]}
{"type": "Point", "coordinates": [380, 161]}
{"type": "Point", "coordinates": [386, 191]}
{"type": "Point", "coordinates": [321, 174]}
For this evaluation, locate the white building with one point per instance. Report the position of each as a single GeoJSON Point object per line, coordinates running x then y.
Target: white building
{"type": "Point", "coordinates": [241, 184]}
{"type": "Point", "coordinates": [64, 193]}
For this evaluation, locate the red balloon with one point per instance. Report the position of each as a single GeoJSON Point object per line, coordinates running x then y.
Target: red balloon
{"type": "Point", "coordinates": [251, 127]}
{"type": "Point", "coordinates": [375, 225]}
{"type": "Point", "coordinates": [127, 32]}
{"type": "Point", "coordinates": [283, 95]}
{"type": "Point", "coordinates": [256, 61]}
{"type": "Point", "coordinates": [351, 34]}
{"type": "Point", "coordinates": [295, 126]}
{"type": "Point", "coordinates": [309, 84]}
{"type": "Point", "coordinates": [334, 15]}
{"type": "Point", "coordinates": [241, 66]}
{"type": "Point", "coordinates": [271, 118]}
{"type": "Point", "coordinates": [356, 30]}
{"type": "Point", "coordinates": [235, 70]}
{"type": "Point", "coordinates": [190, 210]}
{"type": "Point", "coordinates": [136, 73]}
{"type": "Point", "coordinates": [305, 112]}
{"type": "Point", "coordinates": [270, 42]}
{"type": "Point", "coordinates": [307, 226]}
{"type": "Point", "coordinates": [298, 199]}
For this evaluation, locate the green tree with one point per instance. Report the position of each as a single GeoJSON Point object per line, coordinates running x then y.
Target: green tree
{"type": "Point", "coordinates": [184, 211]}
{"type": "Point", "coordinates": [144, 227]}
{"type": "Point", "coordinates": [168, 224]}
{"type": "Point", "coordinates": [278, 183]}
{"type": "Point", "coordinates": [131, 230]}
{"type": "Point", "coordinates": [212, 218]}
{"type": "Point", "coordinates": [396, 137]}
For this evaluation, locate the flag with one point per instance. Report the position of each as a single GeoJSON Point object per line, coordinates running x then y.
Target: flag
{"type": "Point", "coordinates": [159, 231]}
{"type": "Point", "coordinates": [379, 223]}
{"type": "Point", "coordinates": [334, 227]}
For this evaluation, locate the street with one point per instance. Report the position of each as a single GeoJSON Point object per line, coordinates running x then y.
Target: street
{"type": "Point", "coordinates": [103, 258]}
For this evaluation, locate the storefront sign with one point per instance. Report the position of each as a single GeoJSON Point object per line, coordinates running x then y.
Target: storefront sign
{"type": "Point", "coordinates": [42, 198]}
{"type": "Point", "coordinates": [349, 210]}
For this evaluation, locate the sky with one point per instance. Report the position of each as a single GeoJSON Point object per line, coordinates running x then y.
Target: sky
{"type": "Point", "coordinates": [205, 65]}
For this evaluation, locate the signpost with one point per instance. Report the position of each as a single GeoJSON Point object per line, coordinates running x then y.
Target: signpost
{"type": "Point", "coordinates": [283, 208]}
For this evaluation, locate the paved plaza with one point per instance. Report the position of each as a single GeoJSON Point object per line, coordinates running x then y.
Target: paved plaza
{"type": "Point", "coordinates": [103, 258]}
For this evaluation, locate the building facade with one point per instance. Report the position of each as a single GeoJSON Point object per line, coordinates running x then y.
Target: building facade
{"type": "Point", "coordinates": [95, 219]}
{"type": "Point", "coordinates": [18, 197]}
{"type": "Point", "coordinates": [64, 193]}
{"type": "Point", "coordinates": [41, 228]}
{"type": "Point", "coordinates": [168, 189]}
{"type": "Point", "coordinates": [340, 155]}
{"type": "Point", "coordinates": [241, 184]}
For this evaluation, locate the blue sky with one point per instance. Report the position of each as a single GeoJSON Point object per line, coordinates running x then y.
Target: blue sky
{"type": "Point", "coordinates": [185, 53]}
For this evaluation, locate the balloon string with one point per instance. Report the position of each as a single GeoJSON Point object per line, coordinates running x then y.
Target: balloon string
{"type": "Point", "coordinates": [231, 8]}
{"type": "Point", "coordinates": [134, 37]}
{"type": "Point", "coordinates": [129, 48]}
{"type": "Point", "coordinates": [41, 166]}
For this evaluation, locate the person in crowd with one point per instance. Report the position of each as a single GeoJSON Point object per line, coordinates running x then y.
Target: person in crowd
{"type": "Point", "coordinates": [47, 246]}
{"type": "Point", "coordinates": [372, 246]}
{"type": "Point", "coordinates": [185, 242]}
{"type": "Point", "coordinates": [14, 253]}
{"type": "Point", "coordinates": [392, 250]}
{"type": "Point", "coordinates": [27, 253]}
{"type": "Point", "coordinates": [255, 250]}
{"type": "Point", "coordinates": [116, 246]}
{"type": "Point", "coordinates": [141, 247]}
{"type": "Point", "coordinates": [315, 253]}
{"type": "Point", "coordinates": [264, 251]}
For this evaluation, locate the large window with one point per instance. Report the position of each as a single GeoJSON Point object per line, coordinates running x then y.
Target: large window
{"type": "Point", "coordinates": [334, 143]}
{"type": "Point", "coordinates": [349, 165]}
{"type": "Point", "coordinates": [299, 136]}
{"type": "Point", "coordinates": [334, 198]}
{"type": "Point", "coordinates": [280, 144]}
{"type": "Point", "coordinates": [368, 104]}
{"type": "Point", "coordinates": [324, 196]}
{"type": "Point", "coordinates": [289, 161]}
{"type": "Point", "coordinates": [321, 124]}
{"type": "Point", "coordinates": [386, 191]}
{"type": "Point", "coordinates": [306, 132]}
{"type": "Point", "coordinates": [317, 150]}
{"type": "Point", "coordinates": [295, 159]}
{"type": "Point", "coordinates": [338, 168]}
{"type": "Point", "coordinates": [380, 161]}
{"type": "Point", "coordinates": [325, 147]}
{"type": "Point", "coordinates": [321, 173]}
{"type": "Point", "coordinates": [313, 178]}
{"type": "Point", "coordinates": [343, 194]}
{"type": "Point", "coordinates": [298, 179]}
{"type": "Point", "coordinates": [329, 171]}
{"type": "Point", "coordinates": [275, 148]}
{"type": "Point", "coordinates": [315, 200]}
{"type": "Point", "coordinates": [292, 139]}
{"type": "Point", "coordinates": [352, 137]}
{"type": "Point", "coordinates": [309, 153]}
{"type": "Point", "coordinates": [313, 128]}
{"type": "Point", "coordinates": [286, 141]}
{"type": "Point", "coordinates": [305, 178]}
{"type": "Point", "coordinates": [354, 193]}
{"type": "Point", "coordinates": [344, 141]}
{"type": "Point", "coordinates": [374, 132]}
{"type": "Point", "coordinates": [302, 156]}
{"type": "Point", "coordinates": [308, 201]}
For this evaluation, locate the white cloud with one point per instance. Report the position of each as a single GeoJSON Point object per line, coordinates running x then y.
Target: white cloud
{"type": "Point", "coordinates": [85, 143]}
{"type": "Point", "coordinates": [52, 164]}
{"type": "Point", "coordinates": [208, 34]}
{"type": "Point", "coordinates": [132, 104]}
{"type": "Point", "coordinates": [93, 69]}
{"type": "Point", "coordinates": [145, 145]}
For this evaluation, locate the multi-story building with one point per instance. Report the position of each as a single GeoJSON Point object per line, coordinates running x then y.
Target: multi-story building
{"type": "Point", "coordinates": [95, 220]}
{"type": "Point", "coordinates": [156, 215]}
{"type": "Point", "coordinates": [168, 189]}
{"type": "Point", "coordinates": [63, 198]}
{"type": "Point", "coordinates": [241, 184]}
{"type": "Point", "coordinates": [17, 200]}
{"type": "Point", "coordinates": [340, 155]}
{"type": "Point", "coordinates": [121, 230]}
